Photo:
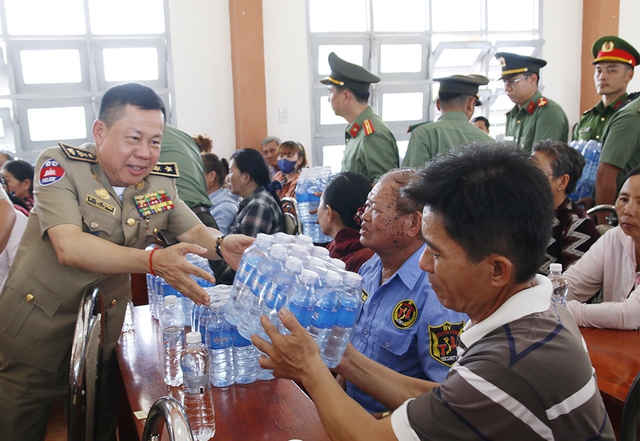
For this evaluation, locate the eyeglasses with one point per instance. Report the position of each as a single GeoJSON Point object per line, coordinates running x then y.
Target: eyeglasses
{"type": "Point", "coordinates": [511, 83]}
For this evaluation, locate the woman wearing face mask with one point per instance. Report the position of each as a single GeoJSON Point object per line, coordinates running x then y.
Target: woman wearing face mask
{"type": "Point", "coordinates": [291, 158]}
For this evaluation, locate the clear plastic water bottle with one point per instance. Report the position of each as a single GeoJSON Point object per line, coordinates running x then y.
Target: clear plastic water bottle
{"type": "Point", "coordinates": [198, 403]}
{"type": "Point", "coordinates": [301, 195]}
{"type": "Point", "coordinates": [302, 300]}
{"type": "Point", "coordinates": [244, 359]}
{"type": "Point", "coordinates": [250, 259]}
{"type": "Point", "coordinates": [172, 324]}
{"type": "Point", "coordinates": [560, 284]}
{"type": "Point", "coordinates": [284, 283]}
{"type": "Point", "coordinates": [325, 311]}
{"type": "Point", "coordinates": [219, 340]}
{"type": "Point", "coordinates": [350, 304]}
{"type": "Point", "coordinates": [265, 273]}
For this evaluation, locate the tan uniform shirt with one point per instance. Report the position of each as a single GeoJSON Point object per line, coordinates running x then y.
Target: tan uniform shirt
{"type": "Point", "coordinates": [40, 300]}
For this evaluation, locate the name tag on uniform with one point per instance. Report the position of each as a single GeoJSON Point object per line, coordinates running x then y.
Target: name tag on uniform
{"type": "Point", "coordinates": [509, 138]}
{"type": "Point", "coordinates": [95, 202]}
{"type": "Point", "coordinates": [152, 203]}
{"type": "Point", "coordinates": [584, 130]}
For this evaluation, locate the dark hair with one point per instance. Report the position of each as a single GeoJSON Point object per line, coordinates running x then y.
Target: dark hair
{"type": "Point", "coordinates": [361, 96]}
{"type": "Point", "coordinates": [289, 146]}
{"type": "Point", "coordinates": [116, 98]}
{"type": "Point", "coordinates": [252, 162]}
{"type": "Point", "coordinates": [20, 170]}
{"type": "Point", "coordinates": [564, 160]}
{"type": "Point", "coordinates": [453, 100]}
{"type": "Point", "coordinates": [345, 193]}
{"type": "Point", "coordinates": [213, 163]}
{"type": "Point", "coordinates": [204, 143]}
{"type": "Point", "coordinates": [492, 199]}
{"type": "Point", "coordinates": [483, 119]}
{"type": "Point", "coordinates": [634, 171]}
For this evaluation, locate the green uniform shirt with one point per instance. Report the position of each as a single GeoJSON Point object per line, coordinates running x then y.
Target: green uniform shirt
{"type": "Point", "coordinates": [537, 120]}
{"type": "Point", "coordinates": [371, 148]}
{"type": "Point", "coordinates": [40, 300]}
{"type": "Point", "coordinates": [429, 139]}
{"type": "Point", "coordinates": [179, 147]}
{"type": "Point", "coordinates": [621, 140]}
{"type": "Point", "coordinates": [594, 121]}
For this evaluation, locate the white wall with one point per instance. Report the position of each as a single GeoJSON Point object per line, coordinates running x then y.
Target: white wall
{"type": "Point", "coordinates": [202, 79]}
{"type": "Point", "coordinates": [562, 33]}
{"type": "Point", "coordinates": [629, 30]}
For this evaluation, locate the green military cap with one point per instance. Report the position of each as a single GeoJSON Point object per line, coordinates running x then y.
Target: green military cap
{"type": "Point", "coordinates": [348, 75]}
{"type": "Point", "coordinates": [512, 64]}
{"type": "Point", "coordinates": [614, 49]}
{"type": "Point", "coordinates": [462, 85]}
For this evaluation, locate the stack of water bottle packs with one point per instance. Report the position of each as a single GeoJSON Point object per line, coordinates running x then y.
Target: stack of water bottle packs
{"type": "Point", "coordinates": [311, 182]}
{"type": "Point", "coordinates": [289, 271]}
{"type": "Point", "coordinates": [591, 151]}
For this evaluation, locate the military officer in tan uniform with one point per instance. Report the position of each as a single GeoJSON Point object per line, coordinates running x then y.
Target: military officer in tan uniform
{"type": "Point", "coordinates": [614, 61]}
{"type": "Point", "coordinates": [534, 117]}
{"type": "Point", "coordinates": [371, 148]}
{"type": "Point", "coordinates": [97, 208]}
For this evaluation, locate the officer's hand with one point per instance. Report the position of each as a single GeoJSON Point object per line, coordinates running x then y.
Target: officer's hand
{"type": "Point", "coordinates": [294, 356]}
{"type": "Point", "coordinates": [315, 210]}
{"type": "Point", "coordinates": [232, 248]}
{"type": "Point", "coordinates": [171, 264]}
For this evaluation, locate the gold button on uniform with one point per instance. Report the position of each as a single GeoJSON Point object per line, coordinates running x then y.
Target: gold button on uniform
{"type": "Point", "coordinates": [518, 121]}
{"type": "Point", "coordinates": [139, 185]}
{"type": "Point", "coordinates": [131, 222]}
{"type": "Point", "coordinates": [597, 136]}
{"type": "Point", "coordinates": [155, 231]}
{"type": "Point", "coordinates": [29, 297]}
{"type": "Point", "coordinates": [602, 119]}
{"type": "Point", "coordinates": [114, 302]}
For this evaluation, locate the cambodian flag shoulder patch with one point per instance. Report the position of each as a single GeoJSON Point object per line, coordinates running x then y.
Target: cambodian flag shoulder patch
{"type": "Point", "coordinates": [50, 172]}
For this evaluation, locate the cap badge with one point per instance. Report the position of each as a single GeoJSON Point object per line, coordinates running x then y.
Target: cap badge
{"type": "Point", "coordinates": [607, 46]}
{"type": "Point", "coordinates": [502, 62]}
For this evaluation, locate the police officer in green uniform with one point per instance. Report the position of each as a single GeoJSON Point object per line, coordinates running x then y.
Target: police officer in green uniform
{"type": "Point", "coordinates": [370, 148]}
{"type": "Point", "coordinates": [534, 117]}
{"type": "Point", "coordinates": [180, 148]}
{"type": "Point", "coordinates": [614, 61]}
{"type": "Point", "coordinates": [457, 99]}
{"type": "Point", "coordinates": [97, 208]}
{"type": "Point", "coordinates": [621, 138]}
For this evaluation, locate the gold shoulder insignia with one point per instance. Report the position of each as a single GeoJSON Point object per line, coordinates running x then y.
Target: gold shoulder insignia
{"type": "Point", "coordinates": [542, 102]}
{"type": "Point", "coordinates": [77, 154]}
{"type": "Point", "coordinates": [168, 169]}
{"type": "Point", "coordinates": [368, 127]}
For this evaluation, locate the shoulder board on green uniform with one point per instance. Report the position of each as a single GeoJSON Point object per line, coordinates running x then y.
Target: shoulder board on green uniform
{"type": "Point", "coordinates": [367, 125]}
{"type": "Point", "coordinates": [77, 154]}
{"type": "Point", "coordinates": [589, 110]}
{"type": "Point", "coordinates": [168, 169]}
{"type": "Point", "coordinates": [630, 98]}
{"type": "Point", "coordinates": [413, 126]}
{"type": "Point", "coordinates": [542, 102]}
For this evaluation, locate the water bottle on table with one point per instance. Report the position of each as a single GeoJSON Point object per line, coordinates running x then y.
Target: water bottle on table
{"type": "Point", "coordinates": [172, 324]}
{"type": "Point", "coordinates": [244, 359]}
{"type": "Point", "coordinates": [219, 341]}
{"type": "Point", "coordinates": [560, 284]}
{"type": "Point", "coordinates": [198, 404]}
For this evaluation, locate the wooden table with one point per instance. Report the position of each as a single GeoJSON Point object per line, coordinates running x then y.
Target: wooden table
{"type": "Point", "coordinates": [267, 410]}
{"type": "Point", "coordinates": [615, 355]}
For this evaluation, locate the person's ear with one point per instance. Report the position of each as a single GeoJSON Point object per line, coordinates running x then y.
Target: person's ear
{"type": "Point", "coordinates": [98, 130]}
{"type": "Point", "coordinates": [501, 270]}
{"type": "Point", "coordinates": [413, 224]}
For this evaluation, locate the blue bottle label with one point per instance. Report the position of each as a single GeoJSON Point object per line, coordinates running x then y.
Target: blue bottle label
{"type": "Point", "coordinates": [347, 317]}
{"type": "Point", "coordinates": [323, 318]}
{"type": "Point", "coordinates": [239, 340]}
{"type": "Point", "coordinates": [302, 313]}
{"type": "Point", "coordinates": [220, 339]}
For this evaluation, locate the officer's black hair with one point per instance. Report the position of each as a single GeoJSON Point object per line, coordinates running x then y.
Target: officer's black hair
{"type": "Point", "coordinates": [492, 200]}
{"type": "Point", "coordinates": [135, 94]}
{"type": "Point", "coordinates": [361, 96]}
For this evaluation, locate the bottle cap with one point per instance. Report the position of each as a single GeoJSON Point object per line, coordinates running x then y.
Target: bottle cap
{"type": "Point", "coordinates": [555, 267]}
{"type": "Point", "coordinates": [194, 337]}
{"type": "Point", "coordinates": [293, 265]}
{"type": "Point", "coordinates": [170, 300]}
{"type": "Point", "coordinates": [308, 277]}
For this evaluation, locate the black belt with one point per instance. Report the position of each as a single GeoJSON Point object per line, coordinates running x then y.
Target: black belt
{"type": "Point", "coordinates": [200, 209]}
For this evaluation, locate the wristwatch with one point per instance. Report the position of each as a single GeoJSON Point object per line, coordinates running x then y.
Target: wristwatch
{"type": "Point", "coordinates": [218, 245]}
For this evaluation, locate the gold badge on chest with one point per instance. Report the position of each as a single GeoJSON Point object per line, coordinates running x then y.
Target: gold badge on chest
{"type": "Point", "coordinates": [103, 194]}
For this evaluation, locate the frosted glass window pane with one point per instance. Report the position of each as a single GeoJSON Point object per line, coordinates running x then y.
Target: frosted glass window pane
{"type": "Point", "coordinates": [456, 15]}
{"type": "Point", "coordinates": [51, 67]}
{"type": "Point", "coordinates": [337, 15]}
{"type": "Point", "coordinates": [327, 116]}
{"type": "Point", "coordinates": [45, 17]}
{"type": "Point", "coordinates": [399, 16]}
{"type": "Point", "coordinates": [457, 57]}
{"type": "Point", "coordinates": [1, 127]}
{"type": "Point", "coordinates": [503, 16]}
{"type": "Point", "coordinates": [130, 64]}
{"type": "Point", "coordinates": [402, 106]}
{"type": "Point", "coordinates": [502, 104]}
{"type": "Point", "coordinates": [400, 58]}
{"type": "Point", "coordinates": [56, 123]}
{"type": "Point", "coordinates": [117, 17]}
{"type": "Point", "coordinates": [348, 52]}
{"type": "Point", "coordinates": [332, 156]}
{"type": "Point", "coordinates": [402, 149]}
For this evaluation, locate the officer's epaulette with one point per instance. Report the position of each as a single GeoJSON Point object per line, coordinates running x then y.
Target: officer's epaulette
{"type": "Point", "coordinates": [77, 154]}
{"type": "Point", "coordinates": [367, 125]}
{"type": "Point", "coordinates": [588, 110]}
{"type": "Point", "coordinates": [631, 97]}
{"type": "Point", "coordinates": [413, 126]}
{"type": "Point", "coordinates": [542, 102]}
{"type": "Point", "coordinates": [168, 169]}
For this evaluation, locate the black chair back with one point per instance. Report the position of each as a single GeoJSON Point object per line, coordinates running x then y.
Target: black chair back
{"type": "Point", "coordinates": [629, 430]}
